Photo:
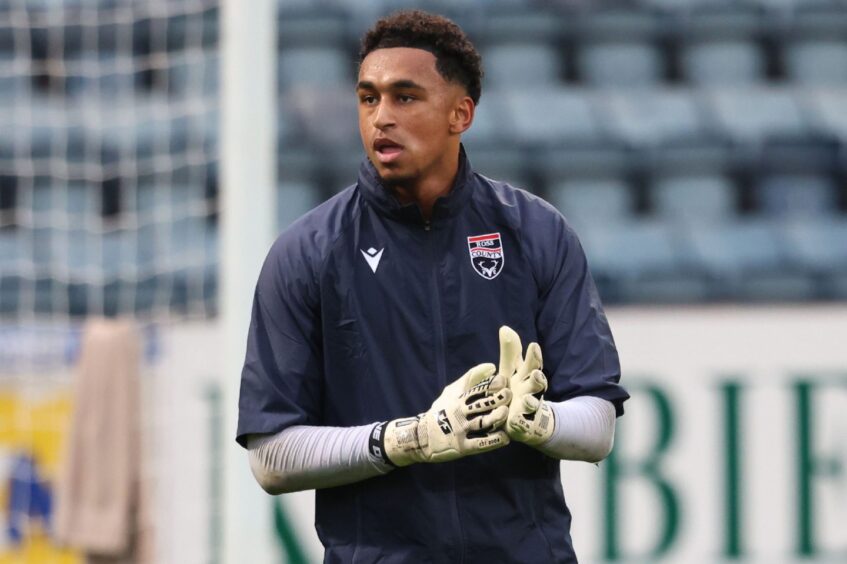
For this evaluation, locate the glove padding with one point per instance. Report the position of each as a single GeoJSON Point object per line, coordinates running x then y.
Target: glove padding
{"type": "Point", "coordinates": [530, 417]}
{"type": "Point", "coordinates": [465, 419]}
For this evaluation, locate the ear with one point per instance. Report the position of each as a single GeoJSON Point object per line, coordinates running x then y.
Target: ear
{"type": "Point", "coordinates": [462, 114]}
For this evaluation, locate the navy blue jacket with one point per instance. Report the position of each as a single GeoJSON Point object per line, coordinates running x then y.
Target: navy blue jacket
{"type": "Point", "coordinates": [334, 342]}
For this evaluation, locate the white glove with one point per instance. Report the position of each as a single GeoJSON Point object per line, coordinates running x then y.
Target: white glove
{"type": "Point", "coordinates": [463, 420]}
{"type": "Point", "coordinates": [530, 418]}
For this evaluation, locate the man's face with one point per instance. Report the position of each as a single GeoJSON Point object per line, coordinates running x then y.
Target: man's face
{"type": "Point", "coordinates": [410, 118]}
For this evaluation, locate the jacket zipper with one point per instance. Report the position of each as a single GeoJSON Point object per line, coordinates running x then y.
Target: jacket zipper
{"type": "Point", "coordinates": [441, 365]}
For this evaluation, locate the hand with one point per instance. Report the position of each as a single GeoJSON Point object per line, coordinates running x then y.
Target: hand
{"type": "Point", "coordinates": [465, 419]}
{"type": "Point", "coordinates": [530, 417]}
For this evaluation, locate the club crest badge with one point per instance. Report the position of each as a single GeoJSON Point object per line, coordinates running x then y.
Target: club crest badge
{"type": "Point", "coordinates": [486, 254]}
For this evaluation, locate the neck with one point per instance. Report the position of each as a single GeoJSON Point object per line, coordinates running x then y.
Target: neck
{"type": "Point", "coordinates": [424, 191]}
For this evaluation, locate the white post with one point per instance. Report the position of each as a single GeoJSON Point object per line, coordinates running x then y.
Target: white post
{"type": "Point", "coordinates": [248, 166]}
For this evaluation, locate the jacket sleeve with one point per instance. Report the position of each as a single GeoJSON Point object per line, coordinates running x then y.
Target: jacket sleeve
{"type": "Point", "coordinates": [580, 357]}
{"type": "Point", "coordinates": [282, 378]}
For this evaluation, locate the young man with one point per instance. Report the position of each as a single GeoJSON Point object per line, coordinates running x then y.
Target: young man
{"type": "Point", "coordinates": [368, 307]}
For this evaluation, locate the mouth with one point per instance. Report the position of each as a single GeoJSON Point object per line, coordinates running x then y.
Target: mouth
{"type": "Point", "coordinates": [387, 150]}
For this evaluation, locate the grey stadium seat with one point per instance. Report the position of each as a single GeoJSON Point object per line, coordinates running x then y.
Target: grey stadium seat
{"type": "Point", "coordinates": [620, 64]}
{"type": "Point", "coordinates": [552, 116]}
{"type": "Point", "coordinates": [603, 201]}
{"type": "Point", "coordinates": [817, 61]}
{"type": "Point", "coordinates": [521, 65]}
{"type": "Point", "coordinates": [756, 113]}
{"type": "Point", "coordinates": [797, 195]}
{"type": "Point", "coordinates": [828, 110]}
{"type": "Point", "coordinates": [644, 259]}
{"type": "Point", "coordinates": [821, 247]}
{"type": "Point", "coordinates": [723, 61]}
{"type": "Point", "coordinates": [655, 116]}
{"type": "Point", "coordinates": [293, 200]}
{"type": "Point", "coordinates": [320, 66]}
{"type": "Point", "coordinates": [746, 260]}
{"type": "Point", "coordinates": [705, 198]}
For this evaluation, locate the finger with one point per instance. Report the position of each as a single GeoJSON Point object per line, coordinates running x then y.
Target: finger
{"type": "Point", "coordinates": [488, 403]}
{"type": "Point", "coordinates": [492, 420]}
{"type": "Point", "coordinates": [535, 384]}
{"type": "Point", "coordinates": [530, 404]}
{"type": "Point", "coordinates": [510, 351]}
{"type": "Point", "coordinates": [477, 374]}
{"type": "Point", "coordinates": [532, 360]}
{"type": "Point", "coordinates": [489, 441]}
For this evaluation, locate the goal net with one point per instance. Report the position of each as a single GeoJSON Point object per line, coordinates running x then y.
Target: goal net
{"type": "Point", "coordinates": [108, 209]}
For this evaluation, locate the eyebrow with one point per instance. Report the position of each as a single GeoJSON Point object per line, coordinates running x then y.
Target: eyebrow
{"type": "Point", "coordinates": [396, 85]}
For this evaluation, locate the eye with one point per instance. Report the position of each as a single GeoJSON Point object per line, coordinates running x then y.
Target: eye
{"type": "Point", "coordinates": [367, 99]}
{"type": "Point", "coordinates": [405, 98]}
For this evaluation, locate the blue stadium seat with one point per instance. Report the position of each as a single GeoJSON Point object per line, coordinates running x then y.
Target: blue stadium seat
{"type": "Point", "coordinates": [723, 62]}
{"type": "Point", "coordinates": [797, 196]}
{"type": "Point", "coordinates": [644, 260]}
{"type": "Point", "coordinates": [750, 115]}
{"type": "Point", "coordinates": [293, 199]}
{"type": "Point", "coordinates": [817, 61]}
{"type": "Point", "coordinates": [324, 115]}
{"type": "Point", "coordinates": [684, 199]}
{"type": "Point", "coordinates": [604, 201]}
{"type": "Point", "coordinates": [14, 77]}
{"type": "Point", "coordinates": [655, 116]}
{"type": "Point", "coordinates": [820, 246]}
{"type": "Point", "coordinates": [552, 117]}
{"type": "Point", "coordinates": [192, 74]}
{"type": "Point", "coordinates": [521, 65]}
{"type": "Point", "coordinates": [746, 260]}
{"type": "Point", "coordinates": [620, 64]}
{"type": "Point", "coordinates": [316, 66]}
{"type": "Point", "coordinates": [827, 110]}
{"type": "Point", "coordinates": [489, 125]}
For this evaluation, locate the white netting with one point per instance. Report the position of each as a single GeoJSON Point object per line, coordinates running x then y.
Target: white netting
{"type": "Point", "coordinates": [108, 207]}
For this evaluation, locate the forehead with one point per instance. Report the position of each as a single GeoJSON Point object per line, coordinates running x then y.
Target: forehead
{"type": "Point", "coordinates": [385, 66]}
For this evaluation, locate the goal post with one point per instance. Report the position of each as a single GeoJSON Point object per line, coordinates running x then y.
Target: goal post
{"type": "Point", "coordinates": [248, 178]}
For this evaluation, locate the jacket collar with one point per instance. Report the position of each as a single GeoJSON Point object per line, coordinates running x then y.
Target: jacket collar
{"type": "Point", "coordinates": [384, 201]}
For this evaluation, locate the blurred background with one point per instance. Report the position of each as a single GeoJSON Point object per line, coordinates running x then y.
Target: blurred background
{"type": "Point", "coordinates": [698, 147]}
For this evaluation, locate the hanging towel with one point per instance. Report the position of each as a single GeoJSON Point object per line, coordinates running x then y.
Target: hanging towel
{"type": "Point", "coordinates": [98, 499]}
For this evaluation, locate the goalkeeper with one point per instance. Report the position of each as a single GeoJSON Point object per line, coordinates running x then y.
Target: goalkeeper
{"type": "Point", "coordinates": [369, 373]}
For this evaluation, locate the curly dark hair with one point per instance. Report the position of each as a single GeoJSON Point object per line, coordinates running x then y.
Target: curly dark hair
{"type": "Point", "coordinates": [457, 60]}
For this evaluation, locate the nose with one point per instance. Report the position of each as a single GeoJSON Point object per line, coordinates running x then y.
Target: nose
{"type": "Point", "coordinates": [383, 116]}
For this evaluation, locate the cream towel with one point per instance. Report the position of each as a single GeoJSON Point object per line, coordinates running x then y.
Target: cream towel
{"type": "Point", "coordinates": [97, 499]}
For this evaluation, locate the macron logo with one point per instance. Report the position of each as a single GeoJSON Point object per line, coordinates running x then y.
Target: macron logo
{"type": "Point", "coordinates": [373, 256]}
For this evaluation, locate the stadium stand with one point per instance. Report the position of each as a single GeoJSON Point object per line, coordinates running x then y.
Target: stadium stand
{"type": "Point", "coordinates": [699, 147]}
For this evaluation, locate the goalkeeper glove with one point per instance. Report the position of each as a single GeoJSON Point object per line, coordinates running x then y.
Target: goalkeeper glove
{"type": "Point", "coordinates": [463, 420]}
{"type": "Point", "coordinates": [530, 417]}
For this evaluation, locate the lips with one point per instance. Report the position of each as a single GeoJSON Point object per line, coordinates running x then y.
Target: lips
{"type": "Point", "coordinates": [387, 149]}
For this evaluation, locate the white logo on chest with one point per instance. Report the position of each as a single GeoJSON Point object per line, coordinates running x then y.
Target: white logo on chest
{"type": "Point", "coordinates": [373, 256]}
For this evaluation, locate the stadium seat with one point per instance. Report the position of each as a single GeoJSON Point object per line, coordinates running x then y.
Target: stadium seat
{"type": "Point", "coordinates": [324, 115]}
{"type": "Point", "coordinates": [817, 62]}
{"type": "Point", "coordinates": [797, 196]}
{"type": "Point", "coordinates": [619, 64]}
{"type": "Point", "coordinates": [745, 259]}
{"type": "Point", "coordinates": [552, 117]}
{"type": "Point", "coordinates": [521, 65]}
{"type": "Point", "coordinates": [644, 259]}
{"type": "Point", "coordinates": [489, 124]}
{"type": "Point", "coordinates": [684, 199]}
{"type": "Point", "coordinates": [293, 199]}
{"type": "Point", "coordinates": [603, 201]}
{"type": "Point", "coordinates": [315, 66]}
{"type": "Point", "coordinates": [192, 73]}
{"type": "Point", "coordinates": [654, 116]}
{"type": "Point", "coordinates": [820, 246]}
{"type": "Point", "coordinates": [723, 62]}
{"type": "Point", "coordinates": [754, 114]}
{"type": "Point", "coordinates": [827, 110]}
